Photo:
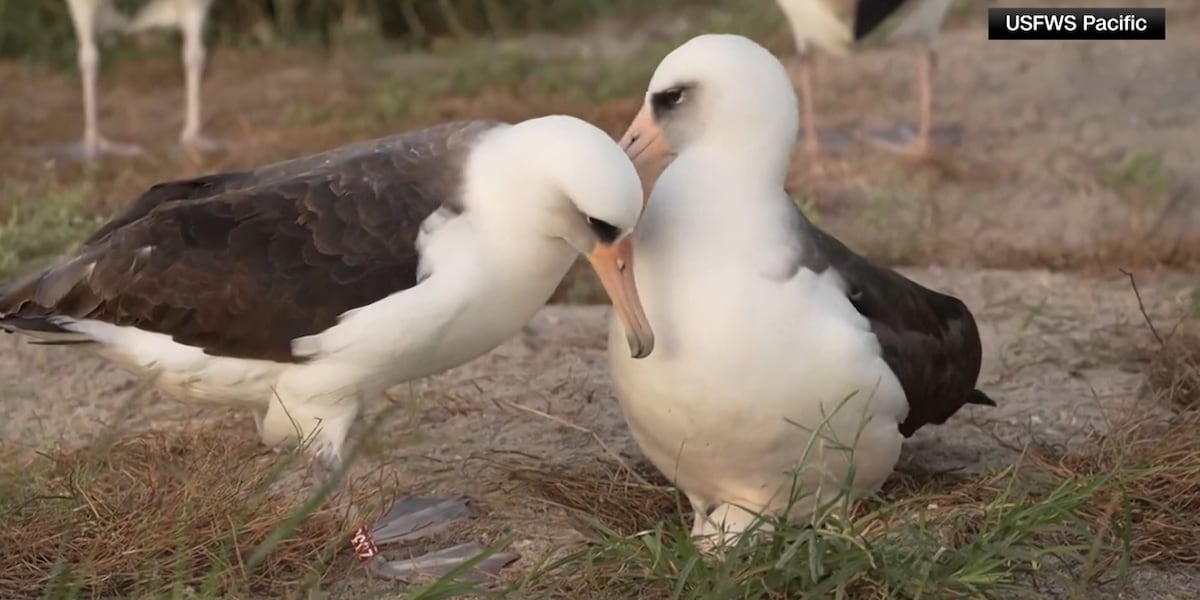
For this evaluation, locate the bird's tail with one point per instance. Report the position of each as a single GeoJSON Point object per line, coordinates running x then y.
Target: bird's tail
{"type": "Point", "coordinates": [22, 310]}
{"type": "Point", "coordinates": [43, 330]}
{"type": "Point", "coordinates": [978, 397]}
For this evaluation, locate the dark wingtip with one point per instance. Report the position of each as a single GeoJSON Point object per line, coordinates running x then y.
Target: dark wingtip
{"type": "Point", "coordinates": [37, 324]}
{"type": "Point", "coordinates": [978, 397]}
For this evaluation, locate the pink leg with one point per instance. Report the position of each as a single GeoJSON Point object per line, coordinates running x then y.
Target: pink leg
{"type": "Point", "coordinates": [925, 65]}
{"type": "Point", "coordinates": [918, 143]}
{"type": "Point", "coordinates": [811, 143]}
{"type": "Point", "coordinates": [192, 26]}
{"type": "Point", "coordinates": [93, 145]}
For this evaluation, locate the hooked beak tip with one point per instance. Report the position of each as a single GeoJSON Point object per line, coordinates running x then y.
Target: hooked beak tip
{"type": "Point", "coordinates": [640, 348]}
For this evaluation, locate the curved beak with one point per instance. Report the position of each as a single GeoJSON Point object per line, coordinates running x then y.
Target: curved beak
{"type": "Point", "coordinates": [614, 266]}
{"type": "Point", "coordinates": [643, 141]}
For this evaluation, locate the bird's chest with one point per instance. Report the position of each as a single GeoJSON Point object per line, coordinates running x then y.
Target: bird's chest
{"type": "Point", "coordinates": [746, 368]}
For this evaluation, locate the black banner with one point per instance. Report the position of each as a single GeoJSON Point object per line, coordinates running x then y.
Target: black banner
{"type": "Point", "coordinates": [1077, 23]}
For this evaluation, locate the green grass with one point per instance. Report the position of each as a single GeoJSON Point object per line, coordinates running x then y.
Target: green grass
{"type": "Point", "coordinates": [900, 549]}
{"type": "Point", "coordinates": [1141, 177]}
{"type": "Point", "coordinates": [40, 30]}
{"type": "Point", "coordinates": [471, 68]}
{"type": "Point", "coordinates": [38, 225]}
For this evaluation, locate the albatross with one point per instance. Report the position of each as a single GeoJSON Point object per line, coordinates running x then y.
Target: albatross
{"type": "Point", "coordinates": [301, 288]}
{"type": "Point", "coordinates": [771, 334]}
{"type": "Point", "coordinates": [834, 25]}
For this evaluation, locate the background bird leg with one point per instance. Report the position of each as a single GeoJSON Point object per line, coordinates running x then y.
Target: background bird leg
{"type": "Point", "coordinates": [811, 143]}
{"type": "Point", "coordinates": [93, 145]}
{"type": "Point", "coordinates": [923, 140]}
{"type": "Point", "coordinates": [191, 24]}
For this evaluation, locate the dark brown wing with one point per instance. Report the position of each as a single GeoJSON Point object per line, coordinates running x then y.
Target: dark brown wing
{"type": "Point", "coordinates": [870, 14]}
{"type": "Point", "coordinates": [929, 339]}
{"type": "Point", "coordinates": [240, 264]}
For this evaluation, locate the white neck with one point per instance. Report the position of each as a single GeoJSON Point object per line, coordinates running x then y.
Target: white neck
{"type": "Point", "coordinates": [762, 163]}
{"type": "Point", "coordinates": [714, 199]}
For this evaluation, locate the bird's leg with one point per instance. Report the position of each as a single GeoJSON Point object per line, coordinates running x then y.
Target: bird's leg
{"type": "Point", "coordinates": [920, 142]}
{"type": "Point", "coordinates": [83, 17]}
{"type": "Point", "coordinates": [700, 516]}
{"type": "Point", "coordinates": [414, 518]}
{"type": "Point", "coordinates": [925, 66]}
{"type": "Point", "coordinates": [411, 519]}
{"type": "Point", "coordinates": [408, 519]}
{"type": "Point", "coordinates": [724, 526]}
{"type": "Point", "coordinates": [89, 62]}
{"type": "Point", "coordinates": [811, 143]}
{"type": "Point", "coordinates": [192, 27]}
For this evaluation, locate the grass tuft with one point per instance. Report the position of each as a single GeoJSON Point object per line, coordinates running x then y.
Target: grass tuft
{"type": "Point", "coordinates": [1173, 372]}
{"type": "Point", "coordinates": [954, 538]}
{"type": "Point", "coordinates": [157, 513]}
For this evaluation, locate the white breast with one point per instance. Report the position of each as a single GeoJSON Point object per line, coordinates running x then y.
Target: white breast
{"type": "Point", "coordinates": [748, 365]}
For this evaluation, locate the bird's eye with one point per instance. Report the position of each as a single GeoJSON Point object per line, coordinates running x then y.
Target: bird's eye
{"type": "Point", "coordinates": [669, 98]}
{"type": "Point", "coordinates": [605, 231]}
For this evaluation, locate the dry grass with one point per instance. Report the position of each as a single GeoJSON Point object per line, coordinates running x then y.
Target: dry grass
{"type": "Point", "coordinates": [1173, 371]}
{"type": "Point", "coordinates": [1153, 511]}
{"type": "Point", "coordinates": [604, 492]}
{"type": "Point", "coordinates": [159, 511]}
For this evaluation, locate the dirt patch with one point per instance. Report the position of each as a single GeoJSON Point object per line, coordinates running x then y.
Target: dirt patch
{"type": "Point", "coordinates": [1057, 360]}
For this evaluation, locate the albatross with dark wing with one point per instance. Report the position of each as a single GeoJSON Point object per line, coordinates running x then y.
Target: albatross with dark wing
{"type": "Point", "coordinates": [301, 288]}
{"type": "Point", "coordinates": [834, 26]}
{"type": "Point", "coordinates": [778, 348]}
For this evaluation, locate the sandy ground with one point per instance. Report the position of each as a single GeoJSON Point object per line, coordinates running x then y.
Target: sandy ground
{"type": "Point", "coordinates": [1046, 123]}
{"type": "Point", "coordinates": [1058, 361]}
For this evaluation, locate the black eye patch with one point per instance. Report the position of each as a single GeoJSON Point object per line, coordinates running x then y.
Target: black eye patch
{"type": "Point", "coordinates": [669, 99]}
{"type": "Point", "coordinates": [606, 232]}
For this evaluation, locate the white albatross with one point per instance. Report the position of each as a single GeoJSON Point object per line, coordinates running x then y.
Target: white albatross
{"type": "Point", "coordinates": [767, 329]}
{"type": "Point", "coordinates": [302, 288]}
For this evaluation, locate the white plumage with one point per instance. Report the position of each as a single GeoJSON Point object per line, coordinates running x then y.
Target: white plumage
{"type": "Point", "coordinates": [783, 359]}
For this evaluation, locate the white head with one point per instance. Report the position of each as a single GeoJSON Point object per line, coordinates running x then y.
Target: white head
{"type": "Point", "coordinates": [564, 180]}
{"type": "Point", "coordinates": [721, 91]}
